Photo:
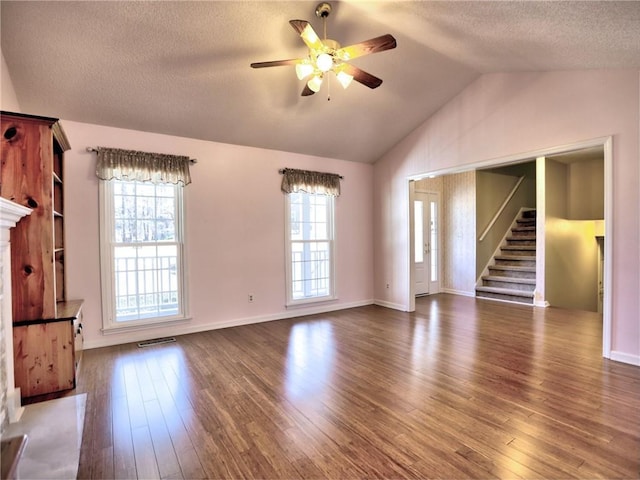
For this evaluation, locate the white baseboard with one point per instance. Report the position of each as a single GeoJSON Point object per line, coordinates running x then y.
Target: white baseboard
{"type": "Point", "coordinates": [393, 306]}
{"type": "Point", "coordinates": [625, 358]}
{"type": "Point", "coordinates": [184, 329]}
{"type": "Point", "coordinates": [453, 291]}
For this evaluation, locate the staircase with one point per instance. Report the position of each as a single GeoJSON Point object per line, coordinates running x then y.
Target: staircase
{"type": "Point", "coordinates": [512, 277]}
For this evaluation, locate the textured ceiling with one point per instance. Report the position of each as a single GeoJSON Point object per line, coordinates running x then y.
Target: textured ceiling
{"type": "Point", "coordinates": [182, 68]}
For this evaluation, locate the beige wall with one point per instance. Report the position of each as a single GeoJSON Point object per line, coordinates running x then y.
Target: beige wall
{"type": "Point", "coordinates": [492, 187]}
{"type": "Point", "coordinates": [430, 185]}
{"type": "Point", "coordinates": [571, 257]}
{"type": "Point", "coordinates": [571, 249]}
{"type": "Point", "coordinates": [585, 189]}
{"type": "Point", "coordinates": [459, 227]}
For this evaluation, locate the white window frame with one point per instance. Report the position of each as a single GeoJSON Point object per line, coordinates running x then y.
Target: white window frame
{"type": "Point", "coordinates": [290, 301]}
{"type": "Point", "coordinates": [107, 270]}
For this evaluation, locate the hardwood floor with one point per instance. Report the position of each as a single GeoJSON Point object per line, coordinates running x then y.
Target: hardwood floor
{"type": "Point", "coordinates": [462, 388]}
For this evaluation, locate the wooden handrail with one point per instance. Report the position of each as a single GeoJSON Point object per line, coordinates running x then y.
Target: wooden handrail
{"type": "Point", "coordinates": [501, 209]}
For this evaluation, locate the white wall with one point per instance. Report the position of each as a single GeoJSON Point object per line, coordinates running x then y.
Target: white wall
{"type": "Point", "coordinates": [8, 98]}
{"type": "Point", "coordinates": [235, 230]}
{"type": "Point", "coordinates": [500, 116]}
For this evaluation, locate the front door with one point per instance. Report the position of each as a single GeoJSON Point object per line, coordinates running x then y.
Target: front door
{"type": "Point", "coordinates": [427, 243]}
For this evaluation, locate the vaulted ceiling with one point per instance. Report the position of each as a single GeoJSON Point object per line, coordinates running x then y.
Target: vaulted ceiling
{"type": "Point", "coordinates": [182, 68]}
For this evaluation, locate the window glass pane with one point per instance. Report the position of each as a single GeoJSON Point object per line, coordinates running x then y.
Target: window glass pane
{"type": "Point", "coordinates": [146, 281]}
{"type": "Point", "coordinates": [310, 245]}
{"type": "Point", "coordinates": [418, 221]}
{"type": "Point", "coordinates": [165, 226]}
{"type": "Point", "coordinates": [145, 189]}
{"type": "Point", "coordinates": [146, 278]}
{"type": "Point", "coordinates": [434, 241]}
{"type": "Point", "coordinates": [295, 221]}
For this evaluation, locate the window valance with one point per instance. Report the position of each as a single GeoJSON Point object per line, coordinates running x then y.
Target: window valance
{"type": "Point", "coordinates": [310, 182]}
{"type": "Point", "coordinates": [132, 165]}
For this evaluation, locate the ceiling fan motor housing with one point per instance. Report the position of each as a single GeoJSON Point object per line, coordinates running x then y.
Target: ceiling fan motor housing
{"type": "Point", "coordinates": [323, 10]}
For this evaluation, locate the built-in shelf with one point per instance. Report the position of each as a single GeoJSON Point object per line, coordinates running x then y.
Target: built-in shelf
{"type": "Point", "coordinates": [46, 327]}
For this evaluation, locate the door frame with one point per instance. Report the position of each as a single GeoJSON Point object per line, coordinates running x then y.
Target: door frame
{"type": "Point", "coordinates": [607, 144]}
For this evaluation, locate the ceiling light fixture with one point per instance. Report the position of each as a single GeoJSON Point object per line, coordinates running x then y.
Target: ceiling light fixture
{"type": "Point", "coordinates": [304, 69]}
{"type": "Point", "coordinates": [327, 56]}
{"type": "Point", "coordinates": [315, 83]}
{"type": "Point", "coordinates": [324, 62]}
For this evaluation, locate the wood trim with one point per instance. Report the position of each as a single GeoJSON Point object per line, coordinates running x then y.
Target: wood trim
{"type": "Point", "coordinates": [65, 311]}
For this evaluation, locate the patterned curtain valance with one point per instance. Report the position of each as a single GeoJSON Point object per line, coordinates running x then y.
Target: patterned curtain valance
{"type": "Point", "coordinates": [310, 182]}
{"type": "Point", "coordinates": [116, 164]}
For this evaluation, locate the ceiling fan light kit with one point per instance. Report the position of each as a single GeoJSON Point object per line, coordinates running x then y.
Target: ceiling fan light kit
{"type": "Point", "coordinates": [327, 55]}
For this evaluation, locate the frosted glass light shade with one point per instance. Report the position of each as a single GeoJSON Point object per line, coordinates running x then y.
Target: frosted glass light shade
{"type": "Point", "coordinates": [344, 79]}
{"type": "Point", "coordinates": [324, 62]}
{"type": "Point", "coordinates": [303, 70]}
{"type": "Point", "coordinates": [315, 83]}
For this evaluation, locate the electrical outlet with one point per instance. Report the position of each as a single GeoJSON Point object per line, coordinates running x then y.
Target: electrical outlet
{"type": "Point", "coordinates": [250, 298]}
{"type": "Point", "coordinates": [387, 285]}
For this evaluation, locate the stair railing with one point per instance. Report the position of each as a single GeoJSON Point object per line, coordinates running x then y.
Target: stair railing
{"type": "Point", "coordinates": [502, 207]}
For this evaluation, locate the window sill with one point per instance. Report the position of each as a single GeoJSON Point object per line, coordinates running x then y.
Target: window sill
{"type": "Point", "coordinates": [115, 329]}
{"type": "Point", "coordinates": [310, 302]}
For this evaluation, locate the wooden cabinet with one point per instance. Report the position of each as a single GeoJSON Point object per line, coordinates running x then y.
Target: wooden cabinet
{"type": "Point", "coordinates": [47, 352]}
{"type": "Point", "coordinates": [32, 175]}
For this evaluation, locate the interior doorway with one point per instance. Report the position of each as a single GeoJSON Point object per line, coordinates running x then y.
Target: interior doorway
{"type": "Point", "coordinates": [606, 144]}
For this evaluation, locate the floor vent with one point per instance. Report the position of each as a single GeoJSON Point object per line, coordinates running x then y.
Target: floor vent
{"type": "Point", "coordinates": [156, 341]}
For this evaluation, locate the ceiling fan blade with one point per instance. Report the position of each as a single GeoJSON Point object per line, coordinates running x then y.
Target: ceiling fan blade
{"type": "Point", "coordinates": [308, 34]}
{"type": "Point", "coordinates": [306, 91]}
{"type": "Point", "coordinates": [275, 63]}
{"type": "Point", "coordinates": [361, 76]}
{"type": "Point", "coordinates": [373, 45]}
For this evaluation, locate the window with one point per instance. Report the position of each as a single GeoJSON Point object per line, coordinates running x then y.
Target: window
{"type": "Point", "coordinates": [310, 246]}
{"type": "Point", "coordinates": [142, 253]}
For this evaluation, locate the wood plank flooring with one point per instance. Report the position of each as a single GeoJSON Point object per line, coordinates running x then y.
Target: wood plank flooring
{"type": "Point", "coordinates": [462, 388]}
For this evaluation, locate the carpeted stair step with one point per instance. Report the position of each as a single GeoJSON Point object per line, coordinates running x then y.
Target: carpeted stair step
{"type": "Point", "coordinates": [505, 294]}
{"type": "Point", "coordinates": [526, 222]}
{"type": "Point", "coordinates": [511, 283]}
{"type": "Point", "coordinates": [523, 231]}
{"type": "Point", "coordinates": [512, 278]}
{"type": "Point", "coordinates": [518, 249]}
{"type": "Point", "coordinates": [516, 260]}
{"type": "Point", "coordinates": [522, 240]}
{"type": "Point", "coordinates": [512, 271]}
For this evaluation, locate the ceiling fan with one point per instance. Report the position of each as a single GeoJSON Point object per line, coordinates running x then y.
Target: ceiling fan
{"type": "Point", "coordinates": [327, 55]}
